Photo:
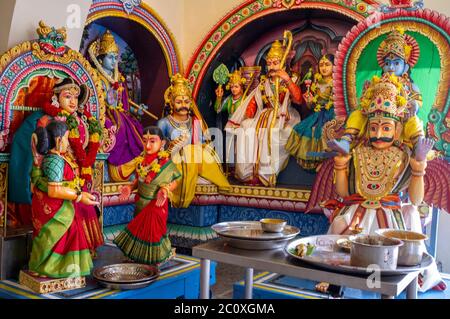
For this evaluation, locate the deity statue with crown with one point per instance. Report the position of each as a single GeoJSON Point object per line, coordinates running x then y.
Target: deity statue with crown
{"type": "Point", "coordinates": [264, 121]}
{"type": "Point", "coordinates": [397, 55]}
{"type": "Point", "coordinates": [371, 178]}
{"type": "Point", "coordinates": [189, 143]}
{"type": "Point", "coordinates": [120, 113]}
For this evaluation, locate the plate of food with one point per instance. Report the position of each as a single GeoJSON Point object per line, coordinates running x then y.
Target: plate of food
{"type": "Point", "coordinates": [325, 252]}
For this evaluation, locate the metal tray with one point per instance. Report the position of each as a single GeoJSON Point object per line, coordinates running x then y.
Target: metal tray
{"type": "Point", "coordinates": [252, 230]}
{"type": "Point", "coordinates": [327, 254]}
{"type": "Point", "coordinates": [127, 273]}
{"type": "Point", "coordinates": [124, 286]}
{"type": "Point", "coordinates": [256, 244]}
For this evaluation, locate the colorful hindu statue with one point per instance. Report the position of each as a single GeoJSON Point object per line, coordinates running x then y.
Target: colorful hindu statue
{"type": "Point", "coordinates": [145, 239]}
{"type": "Point", "coordinates": [60, 248]}
{"type": "Point", "coordinates": [397, 54]}
{"type": "Point", "coordinates": [120, 112]}
{"type": "Point", "coordinates": [264, 121]}
{"type": "Point", "coordinates": [236, 85]}
{"type": "Point", "coordinates": [189, 143]}
{"type": "Point", "coordinates": [307, 135]}
{"type": "Point", "coordinates": [67, 105]}
{"type": "Point", "coordinates": [370, 178]}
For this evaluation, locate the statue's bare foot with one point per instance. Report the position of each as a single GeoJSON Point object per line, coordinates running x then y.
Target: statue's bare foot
{"type": "Point", "coordinates": [340, 146]}
{"type": "Point", "coordinates": [423, 146]}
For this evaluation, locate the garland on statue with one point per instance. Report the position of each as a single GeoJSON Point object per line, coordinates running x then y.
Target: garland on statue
{"type": "Point", "coordinates": [85, 157]}
{"type": "Point", "coordinates": [148, 167]}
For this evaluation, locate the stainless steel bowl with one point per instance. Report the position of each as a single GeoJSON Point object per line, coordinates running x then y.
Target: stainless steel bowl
{"type": "Point", "coordinates": [272, 225]}
{"type": "Point", "coordinates": [411, 253]}
{"type": "Point", "coordinates": [368, 250]}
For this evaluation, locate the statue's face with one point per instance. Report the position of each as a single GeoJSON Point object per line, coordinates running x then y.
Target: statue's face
{"type": "Point", "coordinates": [182, 104]}
{"type": "Point", "coordinates": [152, 143]}
{"type": "Point", "coordinates": [273, 64]}
{"type": "Point", "coordinates": [236, 90]}
{"type": "Point", "coordinates": [325, 67]}
{"type": "Point", "coordinates": [110, 61]}
{"type": "Point", "coordinates": [68, 100]}
{"type": "Point", "coordinates": [395, 65]}
{"type": "Point", "coordinates": [382, 133]}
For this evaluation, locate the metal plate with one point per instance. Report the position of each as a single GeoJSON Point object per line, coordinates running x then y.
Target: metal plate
{"type": "Point", "coordinates": [122, 286]}
{"type": "Point", "coordinates": [256, 244]}
{"type": "Point", "coordinates": [128, 273]}
{"type": "Point", "coordinates": [251, 230]}
{"type": "Point", "coordinates": [327, 254]}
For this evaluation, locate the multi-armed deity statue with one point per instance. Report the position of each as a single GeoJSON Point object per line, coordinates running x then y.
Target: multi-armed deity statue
{"type": "Point", "coordinates": [397, 54]}
{"type": "Point", "coordinates": [265, 121]}
{"type": "Point", "coordinates": [104, 53]}
{"type": "Point", "coordinates": [189, 143]}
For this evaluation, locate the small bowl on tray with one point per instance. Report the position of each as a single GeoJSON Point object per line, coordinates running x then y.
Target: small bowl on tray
{"type": "Point", "coordinates": [272, 225]}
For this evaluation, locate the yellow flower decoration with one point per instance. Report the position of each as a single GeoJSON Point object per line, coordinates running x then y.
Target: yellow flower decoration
{"type": "Point", "coordinates": [64, 113]}
{"type": "Point", "coordinates": [329, 105]}
{"type": "Point", "coordinates": [94, 138]}
{"type": "Point", "coordinates": [155, 167]}
{"type": "Point", "coordinates": [317, 108]}
{"type": "Point", "coordinates": [163, 154]}
{"type": "Point", "coordinates": [376, 79]}
{"type": "Point", "coordinates": [318, 77]}
{"type": "Point", "coordinates": [401, 101]}
{"type": "Point", "coordinates": [139, 159]}
{"type": "Point", "coordinates": [74, 133]}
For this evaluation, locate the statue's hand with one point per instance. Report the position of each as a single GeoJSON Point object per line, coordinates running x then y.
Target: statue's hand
{"type": "Point", "coordinates": [342, 160]}
{"type": "Point", "coordinates": [308, 97]}
{"type": "Point", "coordinates": [219, 92]}
{"type": "Point", "coordinates": [89, 199]}
{"type": "Point", "coordinates": [282, 74]}
{"type": "Point", "coordinates": [422, 147]}
{"type": "Point", "coordinates": [161, 197]}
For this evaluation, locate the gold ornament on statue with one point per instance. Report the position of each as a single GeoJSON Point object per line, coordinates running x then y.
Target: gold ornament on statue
{"type": "Point", "coordinates": [108, 44]}
{"type": "Point", "coordinates": [179, 87]}
{"type": "Point", "coordinates": [236, 78]}
{"type": "Point", "coordinates": [399, 44]}
{"type": "Point", "coordinates": [276, 51]}
{"type": "Point", "coordinates": [385, 97]}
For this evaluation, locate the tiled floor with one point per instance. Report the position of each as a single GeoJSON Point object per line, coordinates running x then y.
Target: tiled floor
{"type": "Point", "coordinates": [226, 276]}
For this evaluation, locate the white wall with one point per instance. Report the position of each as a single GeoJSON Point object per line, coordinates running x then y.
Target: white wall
{"type": "Point", "coordinates": [6, 14]}
{"type": "Point", "coordinates": [28, 13]}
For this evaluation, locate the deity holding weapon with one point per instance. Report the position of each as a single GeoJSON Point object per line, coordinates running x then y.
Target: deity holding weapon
{"type": "Point", "coordinates": [120, 110]}
{"type": "Point", "coordinates": [264, 121]}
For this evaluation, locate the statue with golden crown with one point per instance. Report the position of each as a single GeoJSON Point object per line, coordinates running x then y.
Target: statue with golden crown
{"type": "Point", "coordinates": [189, 143]}
{"type": "Point", "coordinates": [397, 54]}
{"type": "Point", "coordinates": [264, 121]}
{"type": "Point", "coordinates": [120, 111]}
{"type": "Point", "coordinates": [371, 178]}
